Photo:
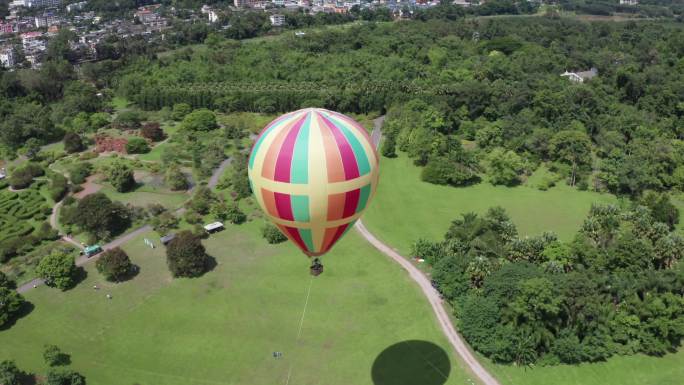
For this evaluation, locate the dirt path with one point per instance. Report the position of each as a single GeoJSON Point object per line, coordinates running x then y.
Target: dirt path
{"type": "Point", "coordinates": [426, 287]}
{"type": "Point", "coordinates": [213, 181]}
{"type": "Point", "coordinates": [89, 187]}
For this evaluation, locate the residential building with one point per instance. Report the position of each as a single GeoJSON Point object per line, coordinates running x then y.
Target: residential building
{"type": "Point", "coordinates": [46, 19]}
{"type": "Point", "coordinates": [7, 57]}
{"type": "Point", "coordinates": [6, 28]}
{"type": "Point", "coordinates": [629, 2]}
{"type": "Point", "coordinates": [241, 3]}
{"type": "Point", "coordinates": [42, 3]}
{"type": "Point", "coordinates": [277, 20]}
{"type": "Point", "coordinates": [29, 39]}
{"type": "Point", "coordinates": [582, 76]}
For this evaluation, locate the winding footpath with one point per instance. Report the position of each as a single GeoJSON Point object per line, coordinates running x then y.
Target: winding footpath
{"type": "Point", "coordinates": [424, 283]}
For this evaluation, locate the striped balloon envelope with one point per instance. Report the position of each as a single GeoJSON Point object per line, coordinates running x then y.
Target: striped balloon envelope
{"type": "Point", "coordinates": [313, 172]}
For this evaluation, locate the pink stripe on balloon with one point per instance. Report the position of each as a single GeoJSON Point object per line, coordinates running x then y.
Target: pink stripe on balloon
{"type": "Point", "coordinates": [351, 169]}
{"type": "Point", "coordinates": [284, 206]}
{"type": "Point", "coordinates": [283, 164]}
{"type": "Point", "coordinates": [350, 202]}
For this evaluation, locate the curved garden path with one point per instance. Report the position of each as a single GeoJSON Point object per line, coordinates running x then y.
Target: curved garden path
{"type": "Point", "coordinates": [432, 295]}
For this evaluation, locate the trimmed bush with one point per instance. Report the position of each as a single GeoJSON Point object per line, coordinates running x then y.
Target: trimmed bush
{"type": "Point", "coordinates": [137, 146]}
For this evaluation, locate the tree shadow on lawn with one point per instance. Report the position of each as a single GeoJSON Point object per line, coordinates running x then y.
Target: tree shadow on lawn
{"type": "Point", "coordinates": [25, 309]}
{"type": "Point", "coordinates": [210, 264]}
{"type": "Point", "coordinates": [410, 363]}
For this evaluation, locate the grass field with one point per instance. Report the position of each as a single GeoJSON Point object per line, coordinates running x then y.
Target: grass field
{"type": "Point", "coordinates": [628, 370]}
{"type": "Point", "coordinates": [223, 327]}
{"type": "Point", "coordinates": [145, 195]}
{"type": "Point", "coordinates": [405, 208]}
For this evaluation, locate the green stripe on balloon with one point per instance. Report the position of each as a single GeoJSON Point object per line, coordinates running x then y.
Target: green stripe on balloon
{"type": "Point", "coordinates": [307, 238]}
{"type": "Point", "coordinates": [300, 208]}
{"type": "Point", "coordinates": [299, 169]}
{"type": "Point", "coordinates": [363, 198]}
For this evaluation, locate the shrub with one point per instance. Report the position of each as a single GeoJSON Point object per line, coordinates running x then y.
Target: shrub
{"type": "Point", "coordinates": [180, 110]}
{"type": "Point", "coordinates": [152, 131]}
{"type": "Point", "coordinates": [23, 177]}
{"type": "Point", "coordinates": [79, 172]}
{"type": "Point", "coordinates": [88, 155]}
{"type": "Point", "coordinates": [120, 175]}
{"type": "Point", "coordinates": [199, 120]}
{"type": "Point", "coordinates": [127, 120]}
{"type": "Point", "coordinates": [164, 222]}
{"type": "Point", "coordinates": [137, 146]}
{"type": "Point", "coordinates": [58, 187]}
{"type": "Point", "coordinates": [53, 356]}
{"type": "Point", "coordinates": [73, 143]}
{"type": "Point", "coordinates": [272, 234]}
{"type": "Point", "coordinates": [175, 179]}
{"type": "Point", "coordinates": [10, 373]}
{"type": "Point", "coordinates": [64, 377]}
{"type": "Point", "coordinates": [186, 256]}
{"type": "Point", "coordinates": [114, 265]}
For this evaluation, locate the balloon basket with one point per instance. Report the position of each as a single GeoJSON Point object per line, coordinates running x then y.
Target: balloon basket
{"type": "Point", "coordinates": [316, 268]}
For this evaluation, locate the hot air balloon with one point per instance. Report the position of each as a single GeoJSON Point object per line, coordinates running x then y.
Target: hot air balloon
{"type": "Point", "coordinates": [313, 172]}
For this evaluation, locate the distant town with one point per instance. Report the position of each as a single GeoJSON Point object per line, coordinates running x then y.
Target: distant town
{"type": "Point", "coordinates": [24, 33]}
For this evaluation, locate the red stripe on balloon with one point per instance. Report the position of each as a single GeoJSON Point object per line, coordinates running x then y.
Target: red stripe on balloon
{"type": "Point", "coordinates": [284, 162]}
{"type": "Point", "coordinates": [284, 206]}
{"type": "Point", "coordinates": [296, 237]}
{"type": "Point", "coordinates": [335, 237]}
{"type": "Point", "coordinates": [351, 169]}
{"type": "Point", "coordinates": [351, 202]}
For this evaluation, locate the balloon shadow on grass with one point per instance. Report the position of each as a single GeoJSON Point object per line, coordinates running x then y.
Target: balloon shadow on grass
{"type": "Point", "coordinates": [411, 362]}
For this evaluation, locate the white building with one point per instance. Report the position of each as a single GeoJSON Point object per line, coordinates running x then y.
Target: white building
{"type": "Point", "coordinates": [76, 6]}
{"type": "Point", "coordinates": [240, 3]}
{"type": "Point", "coordinates": [277, 20]}
{"type": "Point", "coordinates": [7, 57]}
{"type": "Point", "coordinates": [213, 16]}
{"type": "Point", "coordinates": [582, 76]}
{"type": "Point", "coordinates": [629, 2]}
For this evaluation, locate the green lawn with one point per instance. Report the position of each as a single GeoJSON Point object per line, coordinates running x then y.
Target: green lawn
{"type": "Point", "coordinates": [405, 208]}
{"type": "Point", "coordinates": [223, 327]}
{"type": "Point", "coordinates": [627, 370]}
{"type": "Point", "coordinates": [145, 195]}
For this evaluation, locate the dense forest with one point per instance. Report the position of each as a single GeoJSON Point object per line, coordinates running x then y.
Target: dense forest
{"type": "Point", "coordinates": [616, 288]}
{"type": "Point", "coordinates": [495, 82]}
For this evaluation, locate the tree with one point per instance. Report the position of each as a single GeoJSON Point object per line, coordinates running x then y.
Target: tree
{"type": "Point", "coordinates": [73, 143]}
{"type": "Point", "coordinates": [64, 377]}
{"type": "Point", "coordinates": [22, 177]}
{"type": "Point", "coordinates": [661, 208]}
{"type": "Point", "coordinates": [571, 147]}
{"type": "Point", "coordinates": [272, 234]}
{"type": "Point", "coordinates": [120, 175]}
{"type": "Point", "coordinates": [10, 303]}
{"type": "Point", "coordinates": [53, 356]}
{"type": "Point", "coordinates": [504, 167]}
{"type": "Point", "coordinates": [32, 148]}
{"type": "Point", "coordinates": [137, 146]}
{"type": "Point", "coordinates": [127, 120]}
{"type": "Point", "coordinates": [114, 264]}
{"type": "Point", "coordinates": [240, 178]}
{"type": "Point", "coordinates": [175, 179]}
{"type": "Point", "coordinates": [389, 147]}
{"type": "Point", "coordinates": [235, 215]}
{"type": "Point", "coordinates": [180, 110]}
{"type": "Point", "coordinates": [152, 131]}
{"type": "Point", "coordinates": [58, 270]}
{"type": "Point", "coordinates": [186, 256]}
{"type": "Point", "coordinates": [199, 120]}
{"type": "Point", "coordinates": [79, 172]}
{"type": "Point", "coordinates": [97, 214]}
{"type": "Point", "coordinates": [10, 373]}
{"type": "Point", "coordinates": [164, 222]}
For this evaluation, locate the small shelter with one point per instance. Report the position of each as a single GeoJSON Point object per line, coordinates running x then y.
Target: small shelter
{"type": "Point", "coordinates": [214, 227]}
{"type": "Point", "coordinates": [167, 238]}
